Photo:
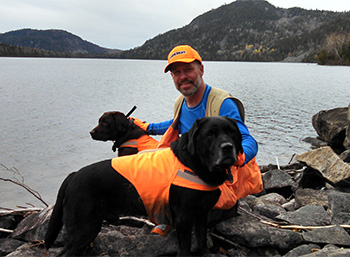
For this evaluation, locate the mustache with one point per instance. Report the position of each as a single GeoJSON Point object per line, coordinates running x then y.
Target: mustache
{"type": "Point", "coordinates": [185, 80]}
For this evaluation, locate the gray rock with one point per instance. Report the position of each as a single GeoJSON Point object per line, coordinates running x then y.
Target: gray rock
{"type": "Point", "coordinates": [340, 207]}
{"type": "Point", "coordinates": [302, 250]}
{"type": "Point", "coordinates": [330, 252]}
{"type": "Point", "coordinates": [269, 210]}
{"type": "Point", "coordinates": [269, 205]}
{"type": "Point", "coordinates": [273, 198]}
{"type": "Point", "coordinates": [327, 163]}
{"type": "Point", "coordinates": [315, 142]}
{"type": "Point", "coordinates": [252, 233]}
{"type": "Point", "coordinates": [123, 241]}
{"type": "Point", "coordinates": [278, 181]}
{"type": "Point", "coordinates": [8, 245]}
{"type": "Point", "coordinates": [31, 250]}
{"type": "Point", "coordinates": [33, 227]}
{"type": "Point", "coordinates": [308, 196]}
{"type": "Point", "coordinates": [345, 156]}
{"type": "Point", "coordinates": [330, 125]}
{"type": "Point", "coordinates": [346, 143]}
{"type": "Point", "coordinates": [289, 206]}
{"type": "Point", "coordinates": [329, 235]}
{"type": "Point", "coordinates": [310, 215]}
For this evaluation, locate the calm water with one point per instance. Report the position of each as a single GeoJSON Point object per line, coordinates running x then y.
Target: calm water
{"type": "Point", "coordinates": [48, 107]}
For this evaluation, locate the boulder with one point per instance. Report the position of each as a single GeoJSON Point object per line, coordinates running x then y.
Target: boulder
{"type": "Point", "coordinates": [126, 241]}
{"type": "Point", "coordinates": [8, 245]}
{"type": "Point", "coordinates": [329, 235]}
{"type": "Point", "coordinates": [315, 142]}
{"type": "Point", "coordinates": [346, 143]}
{"type": "Point", "coordinates": [329, 251]}
{"type": "Point", "coordinates": [310, 215]}
{"type": "Point", "coordinates": [31, 250]}
{"type": "Point", "coordinates": [308, 196]}
{"type": "Point", "coordinates": [331, 125]}
{"type": "Point", "coordinates": [340, 207]}
{"type": "Point", "coordinates": [310, 178]}
{"type": "Point", "coordinates": [345, 156]}
{"type": "Point", "coordinates": [303, 250]}
{"type": "Point", "coordinates": [328, 163]}
{"type": "Point", "coordinates": [248, 231]}
{"type": "Point", "coordinates": [278, 181]}
{"type": "Point", "coordinates": [270, 205]}
{"type": "Point", "coordinates": [33, 227]}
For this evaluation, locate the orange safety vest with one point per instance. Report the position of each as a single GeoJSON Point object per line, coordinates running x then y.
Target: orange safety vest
{"type": "Point", "coordinates": [152, 173]}
{"type": "Point", "coordinates": [246, 179]}
{"type": "Point", "coordinates": [142, 143]}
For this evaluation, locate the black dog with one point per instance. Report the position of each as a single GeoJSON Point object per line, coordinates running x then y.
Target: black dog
{"type": "Point", "coordinates": [116, 127]}
{"type": "Point", "coordinates": [98, 192]}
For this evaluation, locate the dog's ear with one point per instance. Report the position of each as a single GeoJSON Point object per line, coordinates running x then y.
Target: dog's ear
{"type": "Point", "coordinates": [192, 134]}
{"type": "Point", "coordinates": [121, 121]}
{"type": "Point", "coordinates": [238, 135]}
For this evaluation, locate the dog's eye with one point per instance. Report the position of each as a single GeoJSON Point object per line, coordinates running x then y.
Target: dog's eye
{"type": "Point", "coordinates": [210, 133]}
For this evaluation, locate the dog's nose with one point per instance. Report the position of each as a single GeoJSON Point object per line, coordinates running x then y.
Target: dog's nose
{"type": "Point", "coordinates": [227, 147]}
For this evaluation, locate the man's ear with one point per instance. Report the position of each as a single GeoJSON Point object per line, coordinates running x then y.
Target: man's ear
{"type": "Point", "coordinates": [192, 134]}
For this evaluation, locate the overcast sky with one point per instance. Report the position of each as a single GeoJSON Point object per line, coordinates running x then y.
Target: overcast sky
{"type": "Point", "coordinates": [122, 24]}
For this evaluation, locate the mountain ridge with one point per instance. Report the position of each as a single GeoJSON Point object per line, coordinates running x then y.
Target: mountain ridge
{"type": "Point", "coordinates": [244, 30]}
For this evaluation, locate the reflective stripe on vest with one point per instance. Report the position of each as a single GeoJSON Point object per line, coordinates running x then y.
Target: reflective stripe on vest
{"type": "Point", "coordinates": [191, 177]}
{"type": "Point", "coordinates": [129, 143]}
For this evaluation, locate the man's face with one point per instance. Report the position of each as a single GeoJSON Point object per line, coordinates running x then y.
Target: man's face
{"type": "Point", "coordinates": [187, 77]}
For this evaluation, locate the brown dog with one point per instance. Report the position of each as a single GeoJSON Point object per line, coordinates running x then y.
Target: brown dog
{"type": "Point", "coordinates": [126, 135]}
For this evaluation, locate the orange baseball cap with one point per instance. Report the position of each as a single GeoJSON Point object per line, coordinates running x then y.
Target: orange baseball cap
{"type": "Point", "coordinates": [182, 53]}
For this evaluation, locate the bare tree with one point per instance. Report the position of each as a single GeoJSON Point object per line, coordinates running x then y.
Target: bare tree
{"type": "Point", "coordinates": [18, 179]}
{"type": "Point", "coordinates": [337, 44]}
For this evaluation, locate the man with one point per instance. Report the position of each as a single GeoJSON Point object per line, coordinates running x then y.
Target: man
{"type": "Point", "coordinates": [186, 68]}
{"type": "Point", "coordinates": [197, 100]}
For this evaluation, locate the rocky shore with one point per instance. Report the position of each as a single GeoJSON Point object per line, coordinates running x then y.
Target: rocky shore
{"type": "Point", "coordinates": [304, 210]}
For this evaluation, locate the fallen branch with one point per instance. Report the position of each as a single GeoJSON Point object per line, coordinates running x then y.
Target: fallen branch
{"type": "Point", "coordinates": [149, 223]}
{"type": "Point", "coordinates": [269, 222]}
{"type": "Point", "coordinates": [300, 227]}
{"type": "Point", "coordinates": [24, 211]}
{"type": "Point", "coordinates": [237, 246]}
{"type": "Point", "coordinates": [20, 183]}
{"type": "Point", "coordinates": [6, 230]}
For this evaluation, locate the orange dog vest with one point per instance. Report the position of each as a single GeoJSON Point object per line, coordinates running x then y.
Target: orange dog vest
{"type": "Point", "coordinates": [152, 174]}
{"type": "Point", "coordinates": [142, 143]}
{"type": "Point", "coordinates": [247, 179]}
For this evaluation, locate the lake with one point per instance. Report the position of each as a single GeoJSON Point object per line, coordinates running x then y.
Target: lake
{"type": "Point", "coordinates": [48, 106]}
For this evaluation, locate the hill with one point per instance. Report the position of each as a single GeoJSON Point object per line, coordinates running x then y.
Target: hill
{"type": "Point", "coordinates": [245, 30]}
{"type": "Point", "coordinates": [59, 41]}
{"type": "Point", "coordinates": [250, 30]}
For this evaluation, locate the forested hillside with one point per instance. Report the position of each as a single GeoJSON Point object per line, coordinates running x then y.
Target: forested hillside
{"type": "Point", "coordinates": [245, 30]}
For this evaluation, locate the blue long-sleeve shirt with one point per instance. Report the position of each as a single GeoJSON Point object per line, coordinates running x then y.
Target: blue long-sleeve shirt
{"type": "Point", "coordinates": [190, 115]}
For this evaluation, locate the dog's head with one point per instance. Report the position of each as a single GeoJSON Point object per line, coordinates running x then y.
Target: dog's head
{"type": "Point", "coordinates": [111, 126]}
{"type": "Point", "coordinates": [211, 147]}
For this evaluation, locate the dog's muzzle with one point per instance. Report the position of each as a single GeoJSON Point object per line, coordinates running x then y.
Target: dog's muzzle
{"type": "Point", "coordinates": [226, 154]}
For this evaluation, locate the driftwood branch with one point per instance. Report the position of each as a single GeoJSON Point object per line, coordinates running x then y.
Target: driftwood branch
{"type": "Point", "coordinates": [149, 223]}
{"type": "Point", "coordinates": [6, 230]}
{"type": "Point", "coordinates": [269, 222]}
{"type": "Point", "coordinates": [300, 227]}
{"type": "Point", "coordinates": [20, 182]}
{"type": "Point", "coordinates": [20, 211]}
